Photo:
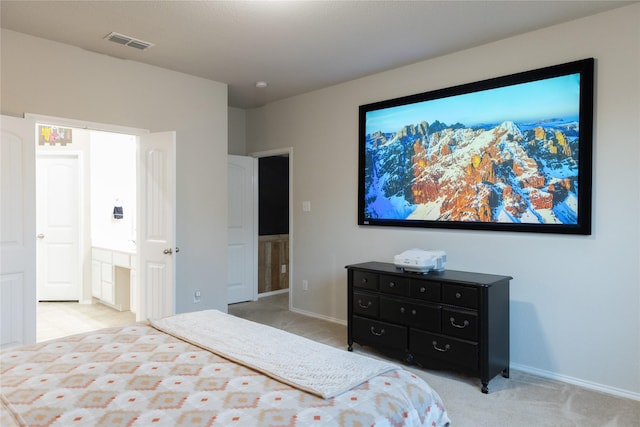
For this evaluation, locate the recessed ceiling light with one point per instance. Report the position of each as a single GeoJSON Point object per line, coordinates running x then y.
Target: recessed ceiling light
{"type": "Point", "coordinates": [261, 84]}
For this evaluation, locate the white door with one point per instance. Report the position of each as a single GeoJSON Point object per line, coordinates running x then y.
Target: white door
{"type": "Point", "coordinates": [58, 228]}
{"type": "Point", "coordinates": [242, 281]}
{"type": "Point", "coordinates": [156, 225]}
{"type": "Point", "coordinates": [17, 232]}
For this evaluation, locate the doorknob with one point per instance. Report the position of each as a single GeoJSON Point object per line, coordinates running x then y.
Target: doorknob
{"type": "Point", "coordinates": [167, 251]}
{"type": "Point", "coordinates": [40, 236]}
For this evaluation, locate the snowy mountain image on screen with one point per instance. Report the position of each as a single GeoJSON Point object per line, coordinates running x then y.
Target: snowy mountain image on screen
{"type": "Point", "coordinates": [505, 172]}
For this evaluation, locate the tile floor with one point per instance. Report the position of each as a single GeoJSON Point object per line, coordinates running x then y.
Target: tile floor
{"type": "Point", "coordinates": [59, 319]}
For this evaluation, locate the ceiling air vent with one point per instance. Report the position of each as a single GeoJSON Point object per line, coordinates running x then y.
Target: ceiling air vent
{"type": "Point", "coordinates": [128, 41]}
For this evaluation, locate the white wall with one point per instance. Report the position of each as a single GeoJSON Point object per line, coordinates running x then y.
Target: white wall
{"type": "Point", "coordinates": [575, 300]}
{"type": "Point", "coordinates": [48, 78]}
{"type": "Point", "coordinates": [237, 131]}
{"type": "Point", "coordinates": [113, 178]}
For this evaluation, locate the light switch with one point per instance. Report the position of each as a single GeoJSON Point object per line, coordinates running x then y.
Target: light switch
{"type": "Point", "coordinates": [306, 206]}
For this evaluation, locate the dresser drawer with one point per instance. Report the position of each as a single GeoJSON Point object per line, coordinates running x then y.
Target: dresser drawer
{"type": "Point", "coordinates": [460, 324]}
{"type": "Point", "coordinates": [381, 334]}
{"type": "Point", "coordinates": [365, 304]}
{"type": "Point", "coordinates": [425, 290]}
{"type": "Point", "coordinates": [394, 285]}
{"type": "Point", "coordinates": [425, 345]}
{"type": "Point", "coordinates": [411, 314]}
{"type": "Point", "coordinates": [365, 279]}
{"type": "Point", "coordinates": [463, 296]}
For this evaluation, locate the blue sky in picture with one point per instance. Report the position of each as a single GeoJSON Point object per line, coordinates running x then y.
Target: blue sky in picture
{"type": "Point", "coordinates": [557, 97]}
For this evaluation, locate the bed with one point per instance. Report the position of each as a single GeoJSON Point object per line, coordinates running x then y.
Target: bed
{"type": "Point", "coordinates": [206, 368]}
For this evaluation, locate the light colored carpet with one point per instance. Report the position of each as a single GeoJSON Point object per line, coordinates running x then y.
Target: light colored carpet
{"type": "Point", "coordinates": [521, 400]}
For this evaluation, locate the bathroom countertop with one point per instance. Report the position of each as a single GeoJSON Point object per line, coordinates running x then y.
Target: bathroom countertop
{"type": "Point", "coordinates": [124, 247]}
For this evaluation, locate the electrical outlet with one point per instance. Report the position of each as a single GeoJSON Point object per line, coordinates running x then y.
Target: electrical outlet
{"type": "Point", "coordinates": [305, 285]}
{"type": "Point", "coordinates": [283, 268]}
{"type": "Point", "coordinates": [196, 296]}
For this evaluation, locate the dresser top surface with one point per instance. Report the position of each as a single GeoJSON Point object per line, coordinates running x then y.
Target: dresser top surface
{"type": "Point", "coordinates": [446, 275]}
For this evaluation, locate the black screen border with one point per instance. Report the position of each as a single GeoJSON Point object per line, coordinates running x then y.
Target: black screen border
{"type": "Point", "coordinates": [584, 67]}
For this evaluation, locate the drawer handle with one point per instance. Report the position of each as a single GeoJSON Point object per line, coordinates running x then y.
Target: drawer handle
{"type": "Point", "coordinates": [456, 325]}
{"type": "Point", "coordinates": [402, 310]}
{"type": "Point", "coordinates": [423, 289]}
{"type": "Point", "coordinates": [458, 295]}
{"type": "Point", "coordinates": [392, 284]}
{"type": "Point", "coordinates": [364, 280]}
{"type": "Point", "coordinates": [365, 306]}
{"type": "Point", "coordinates": [378, 334]}
{"type": "Point", "coordinates": [435, 346]}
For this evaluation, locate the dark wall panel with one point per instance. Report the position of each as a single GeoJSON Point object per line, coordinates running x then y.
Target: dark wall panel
{"type": "Point", "coordinates": [273, 195]}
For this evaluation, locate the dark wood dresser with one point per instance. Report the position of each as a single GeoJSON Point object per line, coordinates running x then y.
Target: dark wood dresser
{"type": "Point", "coordinates": [445, 320]}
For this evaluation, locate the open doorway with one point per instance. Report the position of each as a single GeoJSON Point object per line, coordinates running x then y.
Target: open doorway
{"type": "Point", "coordinates": [155, 242]}
{"type": "Point", "coordinates": [271, 231]}
{"type": "Point", "coordinates": [283, 164]}
{"type": "Point", "coordinates": [273, 225]}
{"type": "Point", "coordinates": [86, 230]}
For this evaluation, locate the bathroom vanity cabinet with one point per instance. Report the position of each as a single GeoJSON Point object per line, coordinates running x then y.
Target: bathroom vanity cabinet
{"type": "Point", "coordinates": [113, 277]}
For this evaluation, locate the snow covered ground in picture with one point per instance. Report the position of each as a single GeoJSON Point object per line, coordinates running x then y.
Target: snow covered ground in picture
{"type": "Point", "coordinates": [505, 155]}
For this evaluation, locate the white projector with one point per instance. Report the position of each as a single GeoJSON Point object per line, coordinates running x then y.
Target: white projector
{"type": "Point", "coordinates": [421, 261]}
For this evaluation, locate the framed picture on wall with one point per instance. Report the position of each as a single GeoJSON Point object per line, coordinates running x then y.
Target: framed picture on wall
{"type": "Point", "coordinates": [511, 153]}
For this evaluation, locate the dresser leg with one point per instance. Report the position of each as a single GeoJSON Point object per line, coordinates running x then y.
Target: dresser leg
{"type": "Point", "coordinates": [505, 373]}
{"type": "Point", "coordinates": [485, 387]}
{"type": "Point", "coordinates": [350, 347]}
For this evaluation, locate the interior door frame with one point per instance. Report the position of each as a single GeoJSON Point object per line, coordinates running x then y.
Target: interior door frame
{"type": "Point", "coordinates": [78, 157]}
{"type": "Point", "coordinates": [288, 151]}
{"type": "Point", "coordinates": [93, 126]}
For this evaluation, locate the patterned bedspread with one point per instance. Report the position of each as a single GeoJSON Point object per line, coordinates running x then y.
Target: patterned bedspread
{"type": "Point", "coordinates": [138, 376]}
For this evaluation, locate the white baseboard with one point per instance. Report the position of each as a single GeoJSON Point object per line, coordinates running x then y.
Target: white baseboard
{"type": "Point", "coordinates": [528, 369]}
{"type": "Point", "coordinates": [271, 293]}
{"type": "Point", "coordinates": [576, 381]}
{"type": "Point", "coordinates": [319, 316]}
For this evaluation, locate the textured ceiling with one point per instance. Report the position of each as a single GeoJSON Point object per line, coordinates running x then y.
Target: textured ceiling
{"type": "Point", "coordinates": [295, 46]}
